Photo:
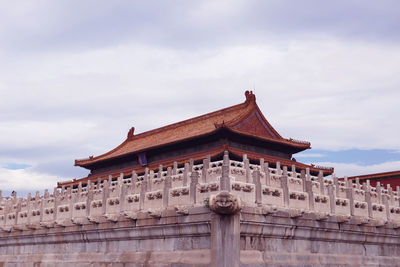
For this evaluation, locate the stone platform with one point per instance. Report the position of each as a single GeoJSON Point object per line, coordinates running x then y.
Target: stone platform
{"type": "Point", "coordinates": [223, 214]}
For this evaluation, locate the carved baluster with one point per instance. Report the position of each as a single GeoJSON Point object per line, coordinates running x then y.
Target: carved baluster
{"type": "Point", "coordinates": [267, 174]}
{"type": "Point", "coordinates": [191, 163]}
{"type": "Point", "coordinates": [194, 180]}
{"type": "Point", "coordinates": [367, 189]}
{"type": "Point", "coordinates": [257, 182]}
{"type": "Point", "coordinates": [122, 195]}
{"type": "Point", "coordinates": [147, 179]}
{"type": "Point", "coordinates": [309, 191]}
{"type": "Point", "coordinates": [303, 179]}
{"type": "Point", "coordinates": [358, 183]}
{"type": "Point", "coordinates": [120, 179]}
{"type": "Point", "coordinates": [379, 191]}
{"type": "Point", "coordinates": [40, 206]}
{"type": "Point", "coordinates": [105, 195]}
{"type": "Point", "coordinates": [278, 168]}
{"type": "Point", "coordinates": [398, 195]}
{"type": "Point", "coordinates": [225, 183]}
{"type": "Point", "coordinates": [134, 177]}
{"type": "Point", "coordinates": [321, 182]}
{"type": "Point", "coordinates": [143, 190]}
{"type": "Point", "coordinates": [285, 189]}
{"type": "Point", "coordinates": [262, 166]}
{"type": "Point", "coordinates": [185, 174]}
{"type": "Point", "coordinates": [294, 174]}
{"type": "Point", "coordinates": [160, 170]}
{"type": "Point", "coordinates": [71, 198]}
{"type": "Point", "coordinates": [89, 198]}
{"type": "Point", "coordinates": [29, 208]}
{"type": "Point", "coordinates": [151, 178]}
{"type": "Point", "coordinates": [14, 197]}
{"type": "Point", "coordinates": [336, 183]}
{"type": "Point", "coordinates": [167, 186]}
{"type": "Point", "coordinates": [390, 193]}
{"type": "Point", "coordinates": [204, 172]}
{"type": "Point", "coordinates": [246, 167]}
{"type": "Point", "coordinates": [175, 169]}
{"type": "Point", "coordinates": [385, 201]}
{"type": "Point", "coordinates": [349, 194]}
{"type": "Point", "coordinates": [332, 198]}
{"type": "Point", "coordinates": [308, 174]}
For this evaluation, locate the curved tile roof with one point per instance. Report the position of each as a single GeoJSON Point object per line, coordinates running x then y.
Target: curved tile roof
{"type": "Point", "coordinates": [230, 117]}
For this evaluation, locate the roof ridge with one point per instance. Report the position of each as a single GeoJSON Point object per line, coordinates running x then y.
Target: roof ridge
{"type": "Point", "coordinates": [250, 98]}
{"type": "Point", "coordinates": [194, 119]}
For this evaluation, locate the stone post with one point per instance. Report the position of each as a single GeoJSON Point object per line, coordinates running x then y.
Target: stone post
{"type": "Point", "coordinates": [293, 170]}
{"type": "Point", "coordinates": [278, 168]}
{"type": "Point", "coordinates": [225, 240]}
{"type": "Point", "coordinates": [367, 190]}
{"type": "Point", "coordinates": [143, 190]}
{"type": "Point", "coordinates": [225, 183]}
{"type": "Point", "coordinates": [321, 182]}
{"type": "Point", "coordinates": [332, 199]}
{"type": "Point", "coordinates": [89, 198]}
{"type": "Point", "coordinates": [267, 175]}
{"type": "Point", "coordinates": [349, 194]}
{"type": "Point", "coordinates": [379, 191]}
{"type": "Point", "coordinates": [262, 165]}
{"type": "Point", "coordinates": [147, 179]}
{"type": "Point", "coordinates": [37, 196]}
{"type": "Point", "coordinates": [310, 194]}
{"type": "Point", "coordinates": [122, 195]}
{"type": "Point", "coordinates": [385, 202]}
{"type": "Point", "coordinates": [303, 179]}
{"type": "Point", "coordinates": [191, 163]}
{"type": "Point", "coordinates": [336, 184]}
{"type": "Point", "coordinates": [246, 167]}
{"type": "Point", "coordinates": [285, 189]}
{"type": "Point", "coordinates": [204, 171]}
{"type": "Point", "coordinates": [185, 174]}
{"type": "Point", "coordinates": [225, 230]}
{"type": "Point", "coordinates": [167, 186]}
{"type": "Point", "coordinates": [257, 182]}
{"type": "Point", "coordinates": [194, 180]}
{"type": "Point", "coordinates": [398, 194]}
{"type": "Point", "coordinates": [105, 195]}
{"type": "Point", "coordinates": [175, 168]}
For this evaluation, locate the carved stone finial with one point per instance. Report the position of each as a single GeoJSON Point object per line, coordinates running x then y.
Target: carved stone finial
{"type": "Point", "coordinates": [225, 203]}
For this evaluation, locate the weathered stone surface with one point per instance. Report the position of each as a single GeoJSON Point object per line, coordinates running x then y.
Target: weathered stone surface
{"type": "Point", "coordinates": [235, 214]}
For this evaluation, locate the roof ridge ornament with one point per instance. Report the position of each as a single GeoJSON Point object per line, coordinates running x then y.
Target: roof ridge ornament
{"type": "Point", "coordinates": [250, 96]}
{"type": "Point", "coordinates": [131, 133]}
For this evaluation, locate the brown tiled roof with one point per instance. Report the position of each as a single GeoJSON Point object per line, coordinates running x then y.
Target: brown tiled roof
{"type": "Point", "coordinates": [380, 175]}
{"type": "Point", "coordinates": [230, 117]}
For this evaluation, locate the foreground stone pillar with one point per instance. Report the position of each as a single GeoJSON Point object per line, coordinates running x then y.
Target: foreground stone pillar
{"type": "Point", "coordinates": [225, 230]}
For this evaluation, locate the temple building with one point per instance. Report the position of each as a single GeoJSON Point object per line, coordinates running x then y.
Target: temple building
{"type": "Point", "coordinates": [242, 130]}
{"type": "Point", "coordinates": [384, 178]}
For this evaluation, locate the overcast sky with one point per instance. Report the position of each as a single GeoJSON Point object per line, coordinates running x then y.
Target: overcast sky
{"type": "Point", "coordinates": [76, 75]}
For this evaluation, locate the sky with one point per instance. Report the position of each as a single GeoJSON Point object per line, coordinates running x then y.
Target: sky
{"type": "Point", "coordinates": [75, 76]}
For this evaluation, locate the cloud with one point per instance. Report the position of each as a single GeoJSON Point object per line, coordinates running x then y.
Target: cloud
{"type": "Point", "coordinates": [75, 78]}
{"type": "Point", "coordinates": [310, 155]}
{"type": "Point", "coordinates": [76, 25]}
{"type": "Point", "coordinates": [24, 180]}
{"type": "Point", "coordinates": [16, 166]}
{"type": "Point", "coordinates": [353, 169]}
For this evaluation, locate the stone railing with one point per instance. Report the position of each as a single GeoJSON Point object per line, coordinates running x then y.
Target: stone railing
{"type": "Point", "coordinates": [259, 185]}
